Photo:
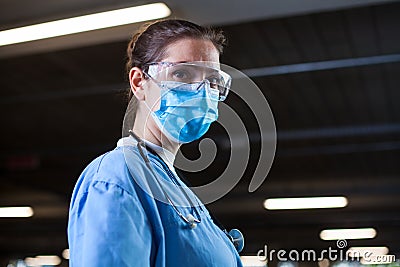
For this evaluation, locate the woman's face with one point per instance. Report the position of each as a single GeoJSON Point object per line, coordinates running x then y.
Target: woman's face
{"type": "Point", "coordinates": [184, 50]}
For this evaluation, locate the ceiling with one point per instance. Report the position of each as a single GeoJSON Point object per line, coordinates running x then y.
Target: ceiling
{"type": "Point", "coordinates": [338, 122]}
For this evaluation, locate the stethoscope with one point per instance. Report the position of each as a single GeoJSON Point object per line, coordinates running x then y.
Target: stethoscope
{"type": "Point", "coordinates": [234, 235]}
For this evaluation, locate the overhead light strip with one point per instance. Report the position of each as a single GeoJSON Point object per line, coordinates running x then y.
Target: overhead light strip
{"type": "Point", "coordinates": [357, 233]}
{"type": "Point", "coordinates": [15, 212]}
{"type": "Point", "coordinates": [45, 260]}
{"type": "Point", "coordinates": [305, 203]}
{"type": "Point", "coordinates": [84, 23]}
{"type": "Point", "coordinates": [253, 261]}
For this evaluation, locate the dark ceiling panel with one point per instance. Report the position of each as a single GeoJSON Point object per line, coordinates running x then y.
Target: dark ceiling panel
{"type": "Point", "coordinates": [387, 20]}
{"type": "Point", "coordinates": [307, 42]}
{"type": "Point", "coordinates": [362, 32]}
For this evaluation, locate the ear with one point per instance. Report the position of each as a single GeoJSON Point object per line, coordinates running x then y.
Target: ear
{"type": "Point", "coordinates": [136, 79]}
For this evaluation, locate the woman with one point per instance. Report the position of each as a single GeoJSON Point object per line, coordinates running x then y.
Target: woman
{"type": "Point", "coordinates": [129, 208]}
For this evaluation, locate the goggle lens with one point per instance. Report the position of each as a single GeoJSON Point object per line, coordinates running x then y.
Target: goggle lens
{"type": "Point", "coordinates": [192, 72]}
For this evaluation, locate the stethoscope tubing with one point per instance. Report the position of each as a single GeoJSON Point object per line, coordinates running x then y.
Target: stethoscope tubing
{"type": "Point", "coordinates": [235, 236]}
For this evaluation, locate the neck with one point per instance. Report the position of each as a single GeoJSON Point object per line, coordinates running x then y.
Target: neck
{"type": "Point", "coordinates": [145, 128]}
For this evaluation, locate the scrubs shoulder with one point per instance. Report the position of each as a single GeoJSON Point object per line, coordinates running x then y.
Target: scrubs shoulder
{"type": "Point", "coordinates": [113, 222]}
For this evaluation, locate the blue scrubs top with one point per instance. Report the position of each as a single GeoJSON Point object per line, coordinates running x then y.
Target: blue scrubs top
{"type": "Point", "coordinates": [113, 222]}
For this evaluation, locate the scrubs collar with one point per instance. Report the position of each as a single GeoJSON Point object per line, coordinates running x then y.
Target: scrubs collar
{"type": "Point", "coordinates": [167, 156]}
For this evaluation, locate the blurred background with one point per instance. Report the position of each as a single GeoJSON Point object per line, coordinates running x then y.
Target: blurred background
{"type": "Point", "coordinates": [330, 71]}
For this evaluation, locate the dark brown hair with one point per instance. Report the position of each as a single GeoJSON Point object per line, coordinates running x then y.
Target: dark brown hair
{"type": "Point", "coordinates": [150, 42]}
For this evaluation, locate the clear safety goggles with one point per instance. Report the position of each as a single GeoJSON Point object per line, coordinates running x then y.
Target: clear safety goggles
{"type": "Point", "coordinates": [191, 72]}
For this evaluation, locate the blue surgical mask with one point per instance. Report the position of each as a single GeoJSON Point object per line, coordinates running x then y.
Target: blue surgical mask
{"type": "Point", "coordinates": [186, 110]}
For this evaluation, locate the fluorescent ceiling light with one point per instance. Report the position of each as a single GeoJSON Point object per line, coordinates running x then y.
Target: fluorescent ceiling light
{"type": "Point", "coordinates": [84, 23]}
{"type": "Point", "coordinates": [305, 203]}
{"type": "Point", "coordinates": [336, 234]}
{"type": "Point", "coordinates": [252, 261]}
{"type": "Point", "coordinates": [50, 260]}
{"type": "Point", "coordinates": [358, 252]}
{"type": "Point", "coordinates": [13, 212]}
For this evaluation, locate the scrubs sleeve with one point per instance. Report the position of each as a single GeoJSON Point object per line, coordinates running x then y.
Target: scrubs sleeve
{"type": "Point", "coordinates": [113, 228]}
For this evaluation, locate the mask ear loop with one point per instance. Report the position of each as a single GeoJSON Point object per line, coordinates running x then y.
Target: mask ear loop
{"type": "Point", "coordinates": [209, 89]}
{"type": "Point", "coordinates": [204, 81]}
{"type": "Point", "coordinates": [154, 80]}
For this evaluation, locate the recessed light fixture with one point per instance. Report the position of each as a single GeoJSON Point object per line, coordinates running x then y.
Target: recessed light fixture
{"type": "Point", "coordinates": [65, 254]}
{"type": "Point", "coordinates": [305, 203]}
{"type": "Point", "coordinates": [84, 23]}
{"type": "Point", "coordinates": [357, 233]}
{"type": "Point", "coordinates": [14, 212]}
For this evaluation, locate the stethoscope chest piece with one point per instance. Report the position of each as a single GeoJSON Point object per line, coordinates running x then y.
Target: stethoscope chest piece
{"type": "Point", "coordinates": [192, 221]}
{"type": "Point", "coordinates": [237, 239]}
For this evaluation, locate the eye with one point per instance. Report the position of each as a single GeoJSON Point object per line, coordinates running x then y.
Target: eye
{"type": "Point", "coordinates": [180, 75]}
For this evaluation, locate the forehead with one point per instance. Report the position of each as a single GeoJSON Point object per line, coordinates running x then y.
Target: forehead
{"type": "Point", "coordinates": [192, 70]}
{"type": "Point", "coordinates": [189, 49]}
